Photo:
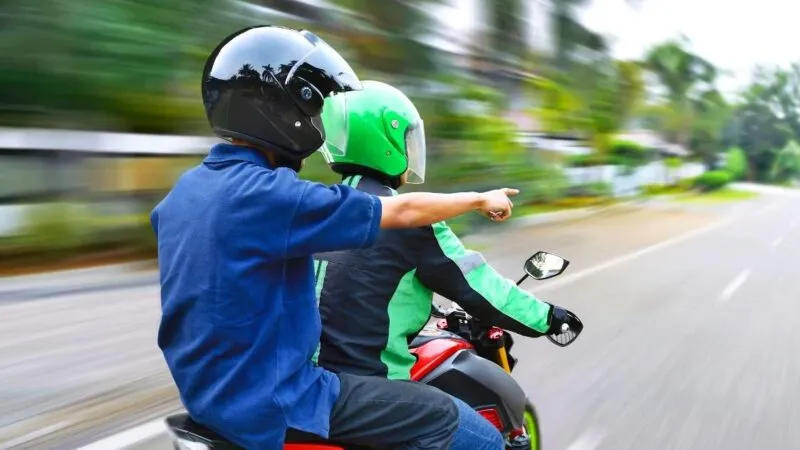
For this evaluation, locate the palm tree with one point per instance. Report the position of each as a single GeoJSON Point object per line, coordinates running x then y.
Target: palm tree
{"type": "Point", "coordinates": [507, 27]}
{"type": "Point", "coordinates": [684, 75]}
{"type": "Point", "coordinates": [394, 45]}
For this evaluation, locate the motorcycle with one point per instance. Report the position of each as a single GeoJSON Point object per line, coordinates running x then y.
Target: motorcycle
{"type": "Point", "coordinates": [460, 355]}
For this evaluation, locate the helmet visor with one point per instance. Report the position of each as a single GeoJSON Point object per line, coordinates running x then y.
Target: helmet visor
{"type": "Point", "coordinates": [337, 78]}
{"type": "Point", "coordinates": [327, 61]}
{"type": "Point", "coordinates": [335, 123]}
{"type": "Point", "coordinates": [415, 152]}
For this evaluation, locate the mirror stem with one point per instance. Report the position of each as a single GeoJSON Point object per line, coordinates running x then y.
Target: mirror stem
{"type": "Point", "coordinates": [524, 277]}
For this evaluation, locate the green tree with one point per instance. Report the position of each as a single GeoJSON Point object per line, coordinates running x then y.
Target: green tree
{"type": "Point", "coordinates": [736, 164]}
{"type": "Point", "coordinates": [572, 37]}
{"type": "Point", "coordinates": [684, 75]}
{"type": "Point", "coordinates": [766, 119]}
{"type": "Point", "coordinates": [389, 42]}
{"type": "Point", "coordinates": [598, 107]}
{"type": "Point", "coordinates": [507, 29]}
{"type": "Point", "coordinates": [130, 65]}
{"type": "Point", "coordinates": [787, 163]}
{"type": "Point", "coordinates": [711, 112]}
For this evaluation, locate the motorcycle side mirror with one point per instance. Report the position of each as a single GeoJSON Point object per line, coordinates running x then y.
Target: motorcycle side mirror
{"type": "Point", "coordinates": [543, 265]}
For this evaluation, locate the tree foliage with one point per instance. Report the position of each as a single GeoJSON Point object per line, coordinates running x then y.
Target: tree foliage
{"type": "Point", "coordinates": [736, 164]}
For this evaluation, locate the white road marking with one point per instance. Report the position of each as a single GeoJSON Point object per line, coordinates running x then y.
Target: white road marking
{"type": "Point", "coordinates": [629, 257]}
{"type": "Point", "coordinates": [734, 285]}
{"type": "Point", "coordinates": [555, 284]}
{"type": "Point", "coordinates": [130, 437]}
{"type": "Point", "coordinates": [24, 439]}
{"type": "Point", "coordinates": [777, 242]}
{"type": "Point", "coordinates": [588, 440]}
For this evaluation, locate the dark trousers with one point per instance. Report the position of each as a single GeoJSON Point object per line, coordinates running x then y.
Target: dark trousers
{"type": "Point", "coordinates": [396, 415]}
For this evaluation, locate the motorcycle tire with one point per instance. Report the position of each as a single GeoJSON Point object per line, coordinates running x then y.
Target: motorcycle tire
{"type": "Point", "coordinates": [532, 426]}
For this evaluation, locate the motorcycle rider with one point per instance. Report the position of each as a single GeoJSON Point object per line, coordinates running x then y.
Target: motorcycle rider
{"type": "Point", "coordinates": [235, 237]}
{"type": "Point", "coordinates": [373, 301]}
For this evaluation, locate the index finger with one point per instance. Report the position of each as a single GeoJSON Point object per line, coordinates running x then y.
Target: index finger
{"type": "Point", "coordinates": [510, 192]}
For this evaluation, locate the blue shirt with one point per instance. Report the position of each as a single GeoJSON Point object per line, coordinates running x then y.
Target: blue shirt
{"type": "Point", "coordinates": [239, 317]}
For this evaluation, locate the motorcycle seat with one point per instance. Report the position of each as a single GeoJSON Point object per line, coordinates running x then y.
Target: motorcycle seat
{"type": "Point", "coordinates": [187, 429]}
{"type": "Point", "coordinates": [184, 427]}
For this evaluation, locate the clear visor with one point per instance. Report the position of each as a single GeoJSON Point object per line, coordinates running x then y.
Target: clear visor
{"type": "Point", "coordinates": [415, 151]}
{"type": "Point", "coordinates": [324, 58]}
{"type": "Point", "coordinates": [334, 113]}
{"type": "Point", "coordinates": [334, 121]}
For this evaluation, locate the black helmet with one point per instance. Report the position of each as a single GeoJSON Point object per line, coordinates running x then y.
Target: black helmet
{"type": "Point", "coordinates": [266, 85]}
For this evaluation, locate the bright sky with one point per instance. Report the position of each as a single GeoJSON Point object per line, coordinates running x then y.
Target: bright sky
{"type": "Point", "coordinates": [733, 34]}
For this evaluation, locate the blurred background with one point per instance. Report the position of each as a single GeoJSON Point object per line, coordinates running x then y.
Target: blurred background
{"type": "Point", "coordinates": [633, 129]}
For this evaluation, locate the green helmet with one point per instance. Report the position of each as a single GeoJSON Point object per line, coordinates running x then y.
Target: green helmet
{"type": "Point", "coordinates": [385, 136]}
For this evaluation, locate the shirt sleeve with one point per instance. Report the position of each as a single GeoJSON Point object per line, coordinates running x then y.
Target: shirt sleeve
{"type": "Point", "coordinates": [464, 276]}
{"type": "Point", "coordinates": [332, 218]}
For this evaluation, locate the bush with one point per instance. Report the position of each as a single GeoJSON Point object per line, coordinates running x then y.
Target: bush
{"type": "Point", "coordinates": [56, 229]}
{"type": "Point", "coordinates": [686, 184]}
{"type": "Point", "coordinates": [712, 180]}
{"type": "Point", "coordinates": [593, 159]}
{"type": "Point", "coordinates": [622, 153]}
{"type": "Point", "coordinates": [666, 189]}
{"type": "Point", "coordinates": [547, 183]}
{"type": "Point", "coordinates": [596, 189]}
{"type": "Point", "coordinates": [655, 189]}
{"type": "Point", "coordinates": [673, 163]}
{"type": "Point", "coordinates": [627, 153]}
{"type": "Point", "coordinates": [736, 164]}
{"type": "Point", "coordinates": [581, 202]}
{"type": "Point", "coordinates": [59, 231]}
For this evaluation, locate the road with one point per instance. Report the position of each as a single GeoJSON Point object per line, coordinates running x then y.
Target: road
{"type": "Point", "coordinates": [689, 343]}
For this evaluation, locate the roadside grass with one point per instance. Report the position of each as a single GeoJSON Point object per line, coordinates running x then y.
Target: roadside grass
{"type": "Point", "coordinates": [724, 195]}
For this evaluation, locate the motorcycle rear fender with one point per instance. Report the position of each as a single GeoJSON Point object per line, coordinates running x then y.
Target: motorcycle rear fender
{"type": "Point", "coordinates": [481, 384]}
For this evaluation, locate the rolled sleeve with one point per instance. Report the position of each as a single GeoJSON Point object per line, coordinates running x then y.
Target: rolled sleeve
{"type": "Point", "coordinates": [332, 218]}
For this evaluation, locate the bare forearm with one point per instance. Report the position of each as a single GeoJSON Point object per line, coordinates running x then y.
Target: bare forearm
{"type": "Point", "coordinates": [419, 209]}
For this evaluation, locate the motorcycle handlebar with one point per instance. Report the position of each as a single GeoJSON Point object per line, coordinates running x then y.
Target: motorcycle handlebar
{"type": "Point", "coordinates": [441, 312]}
{"type": "Point", "coordinates": [562, 338]}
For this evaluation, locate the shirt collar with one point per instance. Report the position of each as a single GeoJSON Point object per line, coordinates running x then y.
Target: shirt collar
{"type": "Point", "coordinates": [372, 186]}
{"type": "Point", "coordinates": [229, 152]}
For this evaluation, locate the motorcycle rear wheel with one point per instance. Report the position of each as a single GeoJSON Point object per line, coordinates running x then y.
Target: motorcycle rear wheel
{"type": "Point", "coordinates": [532, 426]}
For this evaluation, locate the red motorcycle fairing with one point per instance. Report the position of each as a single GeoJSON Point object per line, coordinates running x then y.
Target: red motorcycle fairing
{"type": "Point", "coordinates": [433, 353]}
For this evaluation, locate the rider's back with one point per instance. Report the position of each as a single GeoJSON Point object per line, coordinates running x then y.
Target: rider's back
{"type": "Point", "coordinates": [371, 300]}
{"type": "Point", "coordinates": [229, 312]}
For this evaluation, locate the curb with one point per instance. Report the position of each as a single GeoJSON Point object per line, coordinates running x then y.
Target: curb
{"type": "Point", "coordinates": [43, 285]}
{"type": "Point", "coordinates": [569, 215]}
{"type": "Point", "coordinates": [25, 287]}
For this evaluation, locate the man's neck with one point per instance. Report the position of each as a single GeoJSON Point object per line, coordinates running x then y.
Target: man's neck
{"type": "Point", "coordinates": [273, 160]}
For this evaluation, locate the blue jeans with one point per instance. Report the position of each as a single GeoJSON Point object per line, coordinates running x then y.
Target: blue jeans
{"type": "Point", "coordinates": [474, 432]}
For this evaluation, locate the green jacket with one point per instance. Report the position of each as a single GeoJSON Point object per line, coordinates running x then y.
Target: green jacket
{"type": "Point", "coordinates": [374, 301]}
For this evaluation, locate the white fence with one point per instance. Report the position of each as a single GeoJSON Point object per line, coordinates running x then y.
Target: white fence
{"type": "Point", "coordinates": [628, 184]}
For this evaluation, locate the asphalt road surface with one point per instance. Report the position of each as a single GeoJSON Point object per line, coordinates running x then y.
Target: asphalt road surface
{"type": "Point", "coordinates": [691, 340]}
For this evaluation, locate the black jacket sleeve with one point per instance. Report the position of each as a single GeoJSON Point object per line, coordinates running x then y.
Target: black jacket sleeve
{"type": "Point", "coordinates": [463, 276]}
